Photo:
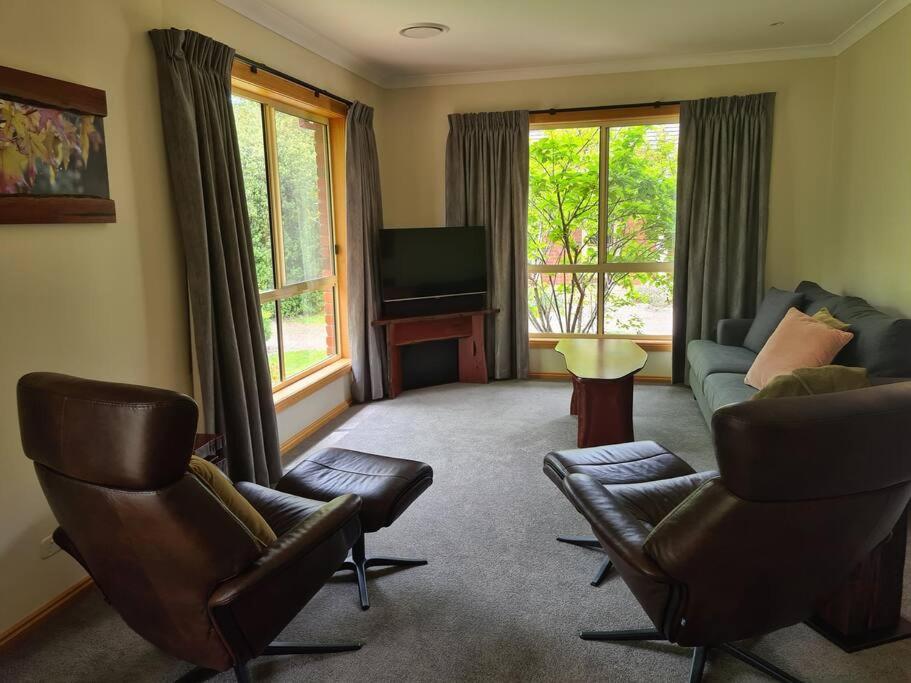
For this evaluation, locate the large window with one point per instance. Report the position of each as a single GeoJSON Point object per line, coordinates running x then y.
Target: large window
{"type": "Point", "coordinates": [601, 215]}
{"type": "Point", "coordinates": [285, 156]}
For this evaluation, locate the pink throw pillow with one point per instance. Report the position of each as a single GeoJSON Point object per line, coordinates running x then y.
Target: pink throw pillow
{"type": "Point", "coordinates": [799, 341]}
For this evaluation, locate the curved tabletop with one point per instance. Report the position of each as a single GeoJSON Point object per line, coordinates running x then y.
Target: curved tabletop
{"type": "Point", "coordinates": [602, 358]}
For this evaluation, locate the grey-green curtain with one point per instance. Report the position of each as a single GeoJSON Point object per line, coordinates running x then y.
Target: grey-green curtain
{"type": "Point", "coordinates": [365, 220]}
{"type": "Point", "coordinates": [487, 184]}
{"type": "Point", "coordinates": [723, 173]}
{"type": "Point", "coordinates": [194, 78]}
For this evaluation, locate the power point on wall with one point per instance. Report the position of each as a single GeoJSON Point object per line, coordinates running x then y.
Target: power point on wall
{"type": "Point", "coordinates": [48, 547]}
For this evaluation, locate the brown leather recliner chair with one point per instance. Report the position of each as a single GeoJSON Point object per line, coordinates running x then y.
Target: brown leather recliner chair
{"type": "Point", "coordinates": [180, 569]}
{"type": "Point", "coordinates": [808, 487]}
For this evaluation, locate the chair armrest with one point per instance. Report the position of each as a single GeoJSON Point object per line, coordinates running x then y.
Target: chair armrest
{"type": "Point", "coordinates": [732, 331]}
{"type": "Point", "coordinates": [621, 534]}
{"type": "Point", "coordinates": [253, 607]}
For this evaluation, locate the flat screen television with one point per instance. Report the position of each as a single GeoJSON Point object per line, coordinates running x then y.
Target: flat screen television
{"type": "Point", "coordinates": [433, 270]}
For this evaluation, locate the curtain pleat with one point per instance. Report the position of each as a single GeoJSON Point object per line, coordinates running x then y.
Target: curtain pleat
{"type": "Point", "coordinates": [487, 184]}
{"type": "Point", "coordinates": [365, 220]}
{"type": "Point", "coordinates": [194, 76]}
{"type": "Point", "coordinates": [724, 166]}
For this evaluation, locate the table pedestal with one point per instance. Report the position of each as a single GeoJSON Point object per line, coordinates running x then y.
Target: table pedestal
{"type": "Point", "coordinates": [605, 410]}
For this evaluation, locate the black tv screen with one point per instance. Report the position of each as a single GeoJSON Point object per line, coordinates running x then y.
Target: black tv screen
{"type": "Point", "coordinates": [422, 263]}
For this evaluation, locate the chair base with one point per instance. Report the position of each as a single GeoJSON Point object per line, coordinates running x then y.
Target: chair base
{"type": "Point", "coordinates": [590, 542]}
{"type": "Point", "coordinates": [360, 563]}
{"type": "Point", "coordinates": [700, 654]}
{"type": "Point", "coordinates": [242, 673]}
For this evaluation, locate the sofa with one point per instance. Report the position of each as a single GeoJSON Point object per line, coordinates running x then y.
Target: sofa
{"type": "Point", "coordinates": [881, 344]}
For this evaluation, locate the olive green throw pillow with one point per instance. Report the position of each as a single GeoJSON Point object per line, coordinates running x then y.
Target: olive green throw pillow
{"type": "Point", "coordinates": [219, 484]}
{"type": "Point", "coordinates": [811, 381]}
{"type": "Point", "coordinates": [823, 316]}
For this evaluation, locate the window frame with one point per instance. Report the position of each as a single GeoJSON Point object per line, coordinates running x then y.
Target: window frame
{"type": "Point", "coordinates": [276, 94]}
{"type": "Point", "coordinates": [603, 119]}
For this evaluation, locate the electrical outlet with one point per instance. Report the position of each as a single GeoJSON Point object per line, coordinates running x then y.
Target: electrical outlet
{"type": "Point", "coordinates": [48, 547]}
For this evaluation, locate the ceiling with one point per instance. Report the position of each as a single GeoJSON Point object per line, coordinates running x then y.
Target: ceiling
{"type": "Point", "coordinates": [512, 39]}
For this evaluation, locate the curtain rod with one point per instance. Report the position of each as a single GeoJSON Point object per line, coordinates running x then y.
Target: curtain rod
{"type": "Point", "coordinates": [656, 105]}
{"type": "Point", "coordinates": [255, 66]}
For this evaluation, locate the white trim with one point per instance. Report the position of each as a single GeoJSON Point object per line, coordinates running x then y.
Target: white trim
{"type": "Point", "coordinates": [275, 20]}
{"type": "Point", "coordinates": [267, 16]}
{"type": "Point", "coordinates": [868, 23]}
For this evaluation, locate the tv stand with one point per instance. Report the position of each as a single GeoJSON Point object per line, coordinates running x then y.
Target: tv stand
{"type": "Point", "coordinates": [466, 326]}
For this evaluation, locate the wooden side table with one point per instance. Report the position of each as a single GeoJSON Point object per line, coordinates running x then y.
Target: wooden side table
{"type": "Point", "coordinates": [602, 372]}
{"type": "Point", "coordinates": [211, 447]}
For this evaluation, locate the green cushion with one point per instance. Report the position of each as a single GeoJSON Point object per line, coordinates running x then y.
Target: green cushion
{"type": "Point", "coordinates": [771, 312]}
{"type": "Point", "coordinates": [812, 381]}
{"type": "Point", "coordinates": [219, 484]}
{"type": "Point", "coordinates": [724, 388]}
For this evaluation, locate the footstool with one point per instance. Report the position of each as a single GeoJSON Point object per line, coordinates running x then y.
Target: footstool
{"type": "Point", "coordinates": [387, 486]}
{"type": "Point", "coordinates": [617, 464]}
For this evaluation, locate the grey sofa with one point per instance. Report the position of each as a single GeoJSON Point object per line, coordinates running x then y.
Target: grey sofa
{"type": "Point", "coordinates": [881, 344]}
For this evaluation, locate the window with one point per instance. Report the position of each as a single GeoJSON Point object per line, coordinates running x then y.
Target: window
{"type": "Point", "coordinates": [601, 217]}
{"type": "Point", "coordinates": [285, 155]}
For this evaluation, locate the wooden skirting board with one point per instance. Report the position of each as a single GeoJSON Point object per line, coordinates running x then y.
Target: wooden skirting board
{"type": "Point", "coordinates": [43, 612]}
{"type": "Point", "coordinates": [564, 377]}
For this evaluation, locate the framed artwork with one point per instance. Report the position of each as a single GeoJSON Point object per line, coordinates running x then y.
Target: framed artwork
{"type": "Point", "coordinates": [53, 157]}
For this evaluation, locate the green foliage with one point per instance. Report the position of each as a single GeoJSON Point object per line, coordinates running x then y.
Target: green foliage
{"type": "Point", "coordinates": [563, 222]}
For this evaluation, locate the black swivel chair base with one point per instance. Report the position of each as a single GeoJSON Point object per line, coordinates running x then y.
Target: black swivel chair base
{"type": "Point", "coordinates": [360, 563]}
{"type": "Point", "coordinates": [242, 673]}
{"type": "Point", "coordinates": [590, 542]}
{"type": "Point", "coordinates": [700, 654]}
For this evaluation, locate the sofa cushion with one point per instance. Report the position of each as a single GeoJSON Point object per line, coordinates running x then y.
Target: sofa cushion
{"type": "Point", "coordinates": [881, 343]}
{"type": "Point", "coordinates": [707, 357]}
{"type": "Point", "coordinates": [815, 297]}
{"type": "Point", "coordinates": [724, 388]}
{"type": "Point", "coordinates": [800, 341]}
{"type": "Point", "coordinates": [771, 312]}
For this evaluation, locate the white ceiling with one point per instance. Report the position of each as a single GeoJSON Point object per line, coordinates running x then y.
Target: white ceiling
{"type": "Point", "coordinates": [508, 39]}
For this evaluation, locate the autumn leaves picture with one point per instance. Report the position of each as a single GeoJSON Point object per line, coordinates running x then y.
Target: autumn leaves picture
{"type": "Point", "coordinates": [45, 151]}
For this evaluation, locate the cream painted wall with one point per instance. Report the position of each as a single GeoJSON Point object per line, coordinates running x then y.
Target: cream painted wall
{"type": "Point", "coordinates": [871, 177]}
{"type": "Point", "coordinates": [108, 301]}
{"type": "Point", "coordinates": [415, 128]}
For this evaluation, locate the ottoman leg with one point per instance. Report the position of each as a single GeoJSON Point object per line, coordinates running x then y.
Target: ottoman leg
{"type": "Point", "coordinates": [359, 564]}
{"type": "Point", "coordinates": [590, 542]}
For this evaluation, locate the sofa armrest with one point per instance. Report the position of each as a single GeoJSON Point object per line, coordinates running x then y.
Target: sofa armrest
{"type": "Point", "coordinates": [732, 331]}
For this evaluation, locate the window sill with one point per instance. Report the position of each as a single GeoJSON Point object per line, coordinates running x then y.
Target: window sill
{"type": "Point", "coordinates": [308, 385]}
{"type": "Point", "coordinates": [647, 344]}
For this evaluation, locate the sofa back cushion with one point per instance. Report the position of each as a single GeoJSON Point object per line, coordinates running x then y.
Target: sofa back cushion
{"type": "Point", "coordinates": [771, 312]}
{"type": "Point", "coordinates": [881, 344]}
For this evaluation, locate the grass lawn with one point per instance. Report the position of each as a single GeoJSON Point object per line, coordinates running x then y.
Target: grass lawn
{"type": "Point", "coordinates": [295, 361]}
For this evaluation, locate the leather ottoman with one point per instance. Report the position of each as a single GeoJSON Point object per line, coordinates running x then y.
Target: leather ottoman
{"type": "Point", "coordinates": [387, 487]}
{"type": "Point", "coordinates": [613, 465]}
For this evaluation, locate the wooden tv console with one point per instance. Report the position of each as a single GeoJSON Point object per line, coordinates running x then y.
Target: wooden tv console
{"type": "Point", "coordinates": [467, 327]}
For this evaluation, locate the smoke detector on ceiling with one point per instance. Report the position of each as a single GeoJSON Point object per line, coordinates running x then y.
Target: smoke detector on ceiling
{"type": "Point", "coordinates": [423, 30]}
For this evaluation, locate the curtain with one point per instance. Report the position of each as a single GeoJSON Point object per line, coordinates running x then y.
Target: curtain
{"type": "Point", "coordinates": [207, 184]}
{"type": "Point", "coordinates": [487, 184]}
{"type": "Point", "coordinates": [723, 173]}
{"type": "Point", "coordinates": [365, 220]}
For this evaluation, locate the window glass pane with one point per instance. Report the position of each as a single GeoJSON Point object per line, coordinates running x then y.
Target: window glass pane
{"type": "Point", "coordinates": [302, 154]}
{"type": "Point", "coordinates": [270, 330]}
{"type": "Point", "coordinates": [642, 193]}
{"type": "Point", "coordinates": [638, 303]}
{"type": "Point", "coordinates": [308, 330]}
{"type": "Point", "coordinates": [562, 302]}
{"type": "Point", "coordinates": [563, 196]}
{"type": "Point", "coordinates": [248, 118]}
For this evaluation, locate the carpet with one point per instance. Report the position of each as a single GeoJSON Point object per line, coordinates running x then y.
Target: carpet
{"type": "Point", "coordinates": [500, 600]}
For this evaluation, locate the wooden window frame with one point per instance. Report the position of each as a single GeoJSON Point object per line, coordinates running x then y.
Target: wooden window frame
{"type": "Point", "coordinates": [290, 98]}
{"type": "Point", "coordinates": [604, 119]}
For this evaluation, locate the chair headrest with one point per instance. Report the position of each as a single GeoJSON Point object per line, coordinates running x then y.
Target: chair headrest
{"type": "Point", "coordinates": [104, 433]}
{"type": "Point", "coordinates": [816, 446]}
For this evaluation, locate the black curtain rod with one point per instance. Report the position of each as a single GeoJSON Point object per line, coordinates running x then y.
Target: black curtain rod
{"type": "Point", "coordinates": [656, 105]}
{"type": "Point", "coordinates": [256, 66]}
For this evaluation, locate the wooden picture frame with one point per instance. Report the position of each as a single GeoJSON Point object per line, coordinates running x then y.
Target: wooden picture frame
{"type": "Point", "coordinates": [64, 149]}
